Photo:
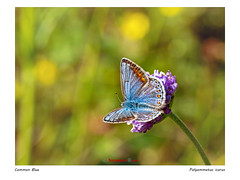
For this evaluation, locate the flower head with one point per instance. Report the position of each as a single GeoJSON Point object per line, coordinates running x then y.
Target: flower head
{"type": "Point", "coordinates": [170, 11]}
{"type": "Point", "coordinates": [135, 26]}
{"type": "Point", "coordinates": [46, 72]}
{"type": "Point", "coordinates": [170, 86]}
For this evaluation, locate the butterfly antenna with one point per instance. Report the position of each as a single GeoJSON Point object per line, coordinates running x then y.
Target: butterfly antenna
{"type": "Point", "coordinates": [118, 98]}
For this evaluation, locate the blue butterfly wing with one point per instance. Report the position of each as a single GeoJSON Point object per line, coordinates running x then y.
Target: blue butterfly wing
{"type": "Point", "coordinates": [145, 115]}
{"type": "Point", "coordinates": [133, 78]}
{"type": "Point", "coordinates": [153, 94]}
{"type": "Point", "coordinates": [151, 100]}
{"type": "Point", "coordinates": [120, 115]}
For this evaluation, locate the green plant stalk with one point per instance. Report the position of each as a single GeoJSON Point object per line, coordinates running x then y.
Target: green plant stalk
{"type": "Point", "coordinates": [26, 119]}
{"type": "Point", "coordinates": [187, 131]}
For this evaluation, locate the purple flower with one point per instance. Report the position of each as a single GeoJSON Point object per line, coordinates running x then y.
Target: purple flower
{"type": "Point", "coordinates": [170, 85]}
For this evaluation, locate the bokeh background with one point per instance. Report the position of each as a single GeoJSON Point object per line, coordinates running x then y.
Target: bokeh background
{"type": "Point", "coordinates": [67, 73]}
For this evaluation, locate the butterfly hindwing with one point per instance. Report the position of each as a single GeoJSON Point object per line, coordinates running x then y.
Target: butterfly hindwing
{"type": "Point", "coordinates": [153, 94]}
{"type": "Point", "coordinates": [119, 115]}
{"type": "Point", "coordinates": [145, 115]}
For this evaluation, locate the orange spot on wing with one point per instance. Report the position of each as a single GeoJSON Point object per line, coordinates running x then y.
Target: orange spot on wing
{"type": "Point", "coordinates": [143, 80]}
{"type": "Point", "coordinates": [158, 102]}
{"type": "Point", "coordinates": [159, 96]}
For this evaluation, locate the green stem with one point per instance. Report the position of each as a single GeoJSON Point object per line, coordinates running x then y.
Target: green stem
{"type": "Point", "coordinates": [187, 131]}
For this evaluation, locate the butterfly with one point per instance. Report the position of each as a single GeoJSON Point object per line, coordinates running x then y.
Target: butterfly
{"type": "Point", "coordinates": [144, 96]}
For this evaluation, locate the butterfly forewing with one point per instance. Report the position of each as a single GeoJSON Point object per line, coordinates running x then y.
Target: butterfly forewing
{"type": "Point", "coordinates": [133, 78]}
{"type": "Point", "coordinates": [119, 115]}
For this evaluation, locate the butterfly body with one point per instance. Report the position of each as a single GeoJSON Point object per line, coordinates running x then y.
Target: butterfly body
{"type": "Point", "coordinates": [144, 96]}
{"type": "Point", "coordinates": [137, 106]}
{"type": "Point", "coordinates": [130, 105]}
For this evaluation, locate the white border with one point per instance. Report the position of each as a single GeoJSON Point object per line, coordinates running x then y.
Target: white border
{"type": "Point", "coordinates": [122, 3]}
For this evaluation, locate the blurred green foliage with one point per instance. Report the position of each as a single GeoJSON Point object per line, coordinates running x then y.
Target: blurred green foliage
{"type": "Point", "coordinates": [67, 73]}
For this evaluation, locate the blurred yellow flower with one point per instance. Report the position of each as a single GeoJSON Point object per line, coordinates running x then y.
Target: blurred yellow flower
{"type": "Point", "coordinates": [170, 11]}
{"type": "Point", "coordinates": [46, 72]}
{"type": "Point", "coordinates": [134, 26]}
